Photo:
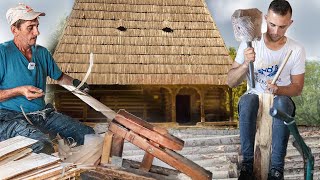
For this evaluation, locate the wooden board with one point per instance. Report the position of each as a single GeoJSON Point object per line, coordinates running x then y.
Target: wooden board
{"type": "Point", "coordinates": [110, 173]}
{"type": "Point", "coordinates": [14, 144]}
{"type": "Point", "coordinates": [146, 129]}
{"type": "Point", "coordinates": [17, 155]}
{"type": "Point", "coordinates": [263, 139]}
{"type": "Point", "coordinates": [42, 173]}
{"type": "Point", "coordinates": [83, 153]}
{"type": "Point", "coordinates": [166, 155]}
{"type": "Point", "coordinates": [106, 149]}
{"type": "Point", "coordinates": [26, 164]}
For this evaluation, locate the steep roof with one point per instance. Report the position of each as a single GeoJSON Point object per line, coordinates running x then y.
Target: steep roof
{"type": "Point", "coordinates": [143, 42]}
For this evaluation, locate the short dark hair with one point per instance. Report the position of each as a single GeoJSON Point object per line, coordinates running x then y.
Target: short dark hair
{"type": "Point", "coordinates": [281, 7]}
{"type": "Point", "coordinates": [18, 23]}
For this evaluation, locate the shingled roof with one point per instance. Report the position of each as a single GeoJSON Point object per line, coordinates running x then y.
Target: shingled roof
{"type": "Point", "coordinates": [139, 42]}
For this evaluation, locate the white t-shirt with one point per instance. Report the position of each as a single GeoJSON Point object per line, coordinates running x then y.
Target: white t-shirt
{"type": "Point", "coordinates": [267, 63]}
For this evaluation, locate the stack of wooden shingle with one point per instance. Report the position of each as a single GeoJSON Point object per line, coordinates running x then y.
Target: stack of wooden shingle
{"type": "Point", "coordinates": [17, 161]}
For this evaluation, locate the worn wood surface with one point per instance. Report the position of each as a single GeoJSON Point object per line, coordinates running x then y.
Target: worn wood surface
{"type": "Point", "coordinates": [13, 145]}
{"type": "Point", "coordinates": [146, 162]}
{"type": "Point", "coordinates": [166, 155]}
{"type": "Point", "coordinates": [16, 155]}
{"type": "Point", "coordinates": [85, 152]}
{"type": "Point", "coordinates": [153, 169]}
{"type": "Point", "coordinates": [106, 149]}
{"type": "Point", "coordinates": [263, 139]}
{"type": "Point", "coordinates": [29, 163]}
{"type": "Point", "coordinates": [42, 173]}
{"type": "Point", "coordinates": [145, 129]}
{"type": "Point", "coordinates": [142, 123]}
{"type": "Point", "coordinates": [117, 145]}
{"type": "Point", "coordinates": [111, 174]}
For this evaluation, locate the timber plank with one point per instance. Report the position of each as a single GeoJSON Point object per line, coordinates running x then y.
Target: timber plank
{"type": "Point", "coordinates": [42, 173]}
{"type": "Point", "coordinates": [166, 155]}
{"type": "Point", "coordinates": [91, 157]}
{"type": "Point", "coordinates": [109, 173]}
{"type": "Point", "coordinates": [13, 144]}
{"type": "Point", "coordinates": [17, 155]}
{"type": "Point", "coordinates": [26, 164]}
{"type": "Point", "coordinates": [81, 155]}
{"type": "Point", "coordinates": [106, 149]}
{"type": "Point", "coordinates": [157, 134]}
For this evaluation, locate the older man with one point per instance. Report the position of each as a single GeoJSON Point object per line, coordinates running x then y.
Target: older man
{"type": "Point", "coordinates": [24, 67]}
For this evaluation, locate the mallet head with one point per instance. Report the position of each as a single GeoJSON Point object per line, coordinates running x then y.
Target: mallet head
{"type": "Point", "coordinates": [247, 24]}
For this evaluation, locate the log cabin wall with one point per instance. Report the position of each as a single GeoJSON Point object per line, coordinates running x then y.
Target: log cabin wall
{"type": "Point", "coordinates": [152, 103]}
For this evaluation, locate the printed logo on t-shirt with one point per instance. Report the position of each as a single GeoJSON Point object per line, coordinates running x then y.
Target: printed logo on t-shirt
{"type": "Point", "coordinates": [264, 74]}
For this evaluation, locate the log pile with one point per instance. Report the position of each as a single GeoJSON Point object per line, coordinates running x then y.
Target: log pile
{"type": "Point", "coordinates": [17, 161]}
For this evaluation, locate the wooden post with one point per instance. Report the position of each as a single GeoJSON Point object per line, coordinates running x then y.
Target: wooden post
{"type": "Point", "coordinates": [147, 160]}
{"type": "Point", "coordinates": [173, 105]}
{"type": "Point", "coordinates": [106, 149]}
{"type": "Point", "coordinates": [203, 116]}
{"type": "Point", "coordinates": [262, 149]}
{"type": "Point", "coordinates": [117, 145]}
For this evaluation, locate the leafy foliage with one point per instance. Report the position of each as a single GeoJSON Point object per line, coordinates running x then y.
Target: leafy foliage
{"type": "Point", "coordinates": [308, 104]}
{"type": "Point", "coordinates": [239, 90]}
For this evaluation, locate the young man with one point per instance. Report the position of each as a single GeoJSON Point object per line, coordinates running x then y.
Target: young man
{"type": "Point", "coordinates": [268, 53]}
{"type": "Point", "coordinates": [24, 67]}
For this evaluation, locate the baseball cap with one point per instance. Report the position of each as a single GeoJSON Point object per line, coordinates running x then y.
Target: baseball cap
{"type": "Point", "coordinates": [23, 12]}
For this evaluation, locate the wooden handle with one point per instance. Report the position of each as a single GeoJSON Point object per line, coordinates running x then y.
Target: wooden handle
{"type": "Point", "coordinates": [281, 67]}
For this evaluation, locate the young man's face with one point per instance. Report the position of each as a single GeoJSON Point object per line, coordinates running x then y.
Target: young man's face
{"type": "Point", "coordinates": [28, 32]}
{"type": "Point", "coordinates": [277, 25]}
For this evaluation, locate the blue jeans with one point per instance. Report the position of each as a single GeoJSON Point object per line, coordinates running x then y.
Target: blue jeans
{"type": "Point", "coordinates": [248, 110]}
{"type": "Point", "coordinates": [46, 123]}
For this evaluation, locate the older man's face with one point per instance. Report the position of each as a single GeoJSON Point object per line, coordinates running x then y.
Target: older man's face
{"type": "Point", "coordinates": [28, 32]}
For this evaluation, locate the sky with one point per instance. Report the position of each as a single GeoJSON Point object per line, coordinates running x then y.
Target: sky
{"type": "Point", "coordinates": [305, 28]}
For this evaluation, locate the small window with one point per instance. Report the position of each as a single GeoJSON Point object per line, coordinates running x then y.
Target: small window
{"type": "Point", "coordinates": [121, 28]}
{"type": "Point", "coordinates": [167, 29]}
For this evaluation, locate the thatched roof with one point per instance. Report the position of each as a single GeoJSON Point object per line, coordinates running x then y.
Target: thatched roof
{"type": "Point", "coordinates": [143, 42]}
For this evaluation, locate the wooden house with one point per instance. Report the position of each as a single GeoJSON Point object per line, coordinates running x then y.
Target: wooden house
{"type": "Point", "coordinates": [162, 60]}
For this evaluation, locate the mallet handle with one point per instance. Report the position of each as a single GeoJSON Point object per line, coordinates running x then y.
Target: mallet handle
{"type": "Point", "coordinates": [281, 67]}
{"type": "Point", "coordinates": [251, 69]}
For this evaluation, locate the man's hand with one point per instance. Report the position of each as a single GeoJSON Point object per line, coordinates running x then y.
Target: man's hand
{"type": "Point", "coordinates": [84, 87]}
{"type": "Point", "coordinates": [249, 55]}
{"type": "Point", "coordinates": [31, 92]}
{"type": "Point", "coordinates": [271, 88]}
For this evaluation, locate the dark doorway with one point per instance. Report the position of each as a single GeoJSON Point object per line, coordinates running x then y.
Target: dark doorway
{"type": "Point", "coordinates": [183, 108]}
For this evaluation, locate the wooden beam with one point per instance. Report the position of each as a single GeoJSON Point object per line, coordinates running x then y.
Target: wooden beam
{"type": "Point", "coordinates": [117, 145]}
{"type": "Point", "coordinates": [156, 134]}
{"type": "Point", "coordinates": [106, 149]}
{"type": "Point", "coordinates": [173, 93]}
{"type": "Point", "coordinates": [146, 162]}
{"type": "Point", "coordinates": [166, 155]}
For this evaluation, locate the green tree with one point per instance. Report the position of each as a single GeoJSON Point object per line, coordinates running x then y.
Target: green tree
{"type": "Point", "coordinates": [238, 91]}
{"type": "Point", "coordinates": [308, 104]}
